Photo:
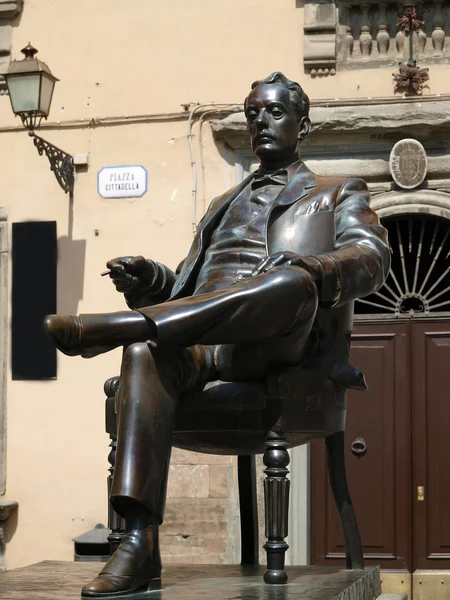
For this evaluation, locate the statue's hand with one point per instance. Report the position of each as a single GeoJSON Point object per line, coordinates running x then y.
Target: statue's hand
{"type": "Point", "coordinates": [288, 259]}
{"type": "Point", "coordinates": [131, 273]}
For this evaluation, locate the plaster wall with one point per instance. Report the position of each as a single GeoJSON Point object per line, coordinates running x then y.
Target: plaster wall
{"type": "Point", "coordinates": [119, 59]}
{"type": "Point", "coordinates": [57, 448]}
{"type": "Point", "coordinates": [148, 56]}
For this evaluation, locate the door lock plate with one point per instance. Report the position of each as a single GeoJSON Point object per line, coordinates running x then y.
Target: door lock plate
{"type": "Point", "coordinates": [420, 493]}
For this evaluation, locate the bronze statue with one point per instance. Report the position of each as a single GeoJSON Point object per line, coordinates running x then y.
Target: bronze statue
{"type": "Point", "coordinates": [245, 301]}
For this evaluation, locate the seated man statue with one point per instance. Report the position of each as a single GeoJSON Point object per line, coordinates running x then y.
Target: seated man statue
{"type": "Point", "coordinates": [242, 303]}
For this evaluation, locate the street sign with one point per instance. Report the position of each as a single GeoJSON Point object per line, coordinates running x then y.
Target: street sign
{"type": "Point", "coordinates": [122, 182]}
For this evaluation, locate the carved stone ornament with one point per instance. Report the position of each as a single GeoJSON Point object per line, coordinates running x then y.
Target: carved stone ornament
{"type": "Point", "coordinates": [319, 46]}
{"type": "Point", "coordinates": [410, 79]}
{"type": "Point", "coordinates": [9, 9]}
{"type": "Point", "coordinates": [408, 164]}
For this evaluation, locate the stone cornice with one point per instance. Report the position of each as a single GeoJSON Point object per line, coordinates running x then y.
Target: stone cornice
{"type": "Point", "coordinates": [367, 120]}
{"type": "Point", "coordinates": [10, 8]}
{"type": "Point", "coordinates": [7, 507]}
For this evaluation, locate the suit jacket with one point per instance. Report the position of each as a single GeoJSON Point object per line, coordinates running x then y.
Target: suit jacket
{"type": "Point", "coordinates": [356, 267]}
{"type": "Point", "coordinates": [327, 219]}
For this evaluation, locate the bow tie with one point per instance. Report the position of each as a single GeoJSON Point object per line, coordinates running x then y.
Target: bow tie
{"type": "Point", "coordinates": [277, 178]}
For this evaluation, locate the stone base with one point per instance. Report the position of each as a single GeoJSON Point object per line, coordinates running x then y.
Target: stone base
{"type": "Point", "coordinates": [63, 581]}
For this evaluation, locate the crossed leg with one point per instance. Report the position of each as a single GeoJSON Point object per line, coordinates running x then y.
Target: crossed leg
{"type": "Point", "coordinates": [236, 333]}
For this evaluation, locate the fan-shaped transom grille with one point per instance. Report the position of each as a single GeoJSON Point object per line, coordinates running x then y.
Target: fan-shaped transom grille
{"type": "Point", "coordinates": [418, 283]}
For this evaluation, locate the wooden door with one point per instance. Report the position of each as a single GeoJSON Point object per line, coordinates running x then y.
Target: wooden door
{"type": "Point", "coordinates": [400, 487]}
{"type": "Point", "coordinates": [430, 369]}
{"type": "Point", "coordinates": [379, 480]}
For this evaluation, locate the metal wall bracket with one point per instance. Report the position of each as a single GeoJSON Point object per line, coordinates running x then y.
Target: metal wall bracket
{"type": "Point", "coordinates": [61, 163]}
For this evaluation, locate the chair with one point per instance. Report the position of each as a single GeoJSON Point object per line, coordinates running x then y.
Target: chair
{"type": "Point", "coordinates": [292, 407]}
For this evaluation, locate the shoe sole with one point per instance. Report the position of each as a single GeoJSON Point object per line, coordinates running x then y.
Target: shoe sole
{"type": "Point", "coordinates": [143, 591]}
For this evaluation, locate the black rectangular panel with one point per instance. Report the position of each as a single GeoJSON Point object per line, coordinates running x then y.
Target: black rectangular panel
{"type": "Point", "coordinates": [34, 261]}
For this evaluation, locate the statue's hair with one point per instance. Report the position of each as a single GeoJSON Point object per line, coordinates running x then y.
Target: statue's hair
{"type": "Point", "coordinates": [299, 100]}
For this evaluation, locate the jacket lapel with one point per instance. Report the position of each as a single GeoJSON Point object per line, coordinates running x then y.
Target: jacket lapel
{"type": "Point", "coordinates": [219, 207]}
{"type": "Point", "coordinates": [297, 187]}
{"type": "Point", "coordinates": [215, 212]}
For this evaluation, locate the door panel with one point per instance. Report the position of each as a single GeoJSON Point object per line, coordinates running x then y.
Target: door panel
{"type": "Point", "coordinates": [379, 480]}
{"type": "Point", "coordinates": [431, 447]}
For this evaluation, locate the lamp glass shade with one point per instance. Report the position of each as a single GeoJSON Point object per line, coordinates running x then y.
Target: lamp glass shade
{"type": "Point", "coordinates": [31, 92]}
{"type": "Point", "coordinates": [47, 87]}
{"type": "Point", "coordinates": [24, 92]}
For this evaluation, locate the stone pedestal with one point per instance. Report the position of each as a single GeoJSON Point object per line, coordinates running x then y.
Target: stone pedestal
{"type": "Point", "coordinates": [63, 581]}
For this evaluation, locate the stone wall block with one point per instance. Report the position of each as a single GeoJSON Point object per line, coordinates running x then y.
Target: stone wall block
{"type": "Point", "coordinates": [195, 531]}
{"type": "Point", "coordinates": [188, 516]}
{"type": "Point", "coordinates": [219, 477]}
{"type": "Point", "coordinates": [199, 549]}
{"type": "Point", "coordinates": [188, 481]}
{"type": "Point", "coordinates": [185, 457]}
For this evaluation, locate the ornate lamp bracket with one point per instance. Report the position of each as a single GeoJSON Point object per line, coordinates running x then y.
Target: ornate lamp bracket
{"type": "Point", "coordinates": [61, 163]}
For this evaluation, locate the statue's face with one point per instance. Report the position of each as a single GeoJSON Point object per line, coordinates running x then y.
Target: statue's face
{"type": "Point", "coordinates": [274, 128]}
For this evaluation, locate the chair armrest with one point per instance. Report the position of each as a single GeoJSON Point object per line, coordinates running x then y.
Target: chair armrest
{"type": "Point", "coordinates": [111, 386]}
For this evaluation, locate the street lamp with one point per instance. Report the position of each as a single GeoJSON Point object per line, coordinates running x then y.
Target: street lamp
{"type": "Point", "coordinates": [30, 85]}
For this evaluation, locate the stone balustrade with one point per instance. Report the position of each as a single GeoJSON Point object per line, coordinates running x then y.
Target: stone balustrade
{"type": "Point", "coordinates": [361, 34]}
{"type": "Point", "coordinates": [368, 31]}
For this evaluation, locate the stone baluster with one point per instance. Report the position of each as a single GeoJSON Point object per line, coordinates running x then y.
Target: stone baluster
{"type": "Point", "coordinates": [438, 35]}
{"type": "Point", "coordinates": [349, 40]}
{"type": "Point", "coordinates": [365, 38]}
{"type": "Point", "coordinates": [421, 41]}
{"type": "Point", "coordinates": [400, 43]}
{"type": "Point", "coordinates": [383, 37]}
{"type": "Point", "coordinates": [400, 37]}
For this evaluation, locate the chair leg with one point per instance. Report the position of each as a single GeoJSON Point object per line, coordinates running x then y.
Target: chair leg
{"type": "Point", "coordinates": [248, 506]}
{"type": "Point", "coordinates": [276, 496]}
{"type": "Point", "coordinates": [116, 524]}
{"type": "Point", "coordinates": [338, 480]}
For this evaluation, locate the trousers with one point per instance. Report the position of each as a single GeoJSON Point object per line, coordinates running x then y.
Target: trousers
{"type": "Point", "coordinates": [237, 333]}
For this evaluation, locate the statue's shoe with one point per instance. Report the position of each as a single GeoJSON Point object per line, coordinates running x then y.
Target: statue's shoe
{"type": "Point", "coordinates": [66, 333]}
{"type": "Point", "coordinates": [134, 567]}
{"type": "Point", "coordinates": [90, 335]}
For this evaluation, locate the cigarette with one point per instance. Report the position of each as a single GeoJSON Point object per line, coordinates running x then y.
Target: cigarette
{"type": "Point", "coordinates": [105, 273]}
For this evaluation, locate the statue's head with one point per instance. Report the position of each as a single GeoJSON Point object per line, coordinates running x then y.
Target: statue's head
{"type": "Point", "coordinates": [277, 111]}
